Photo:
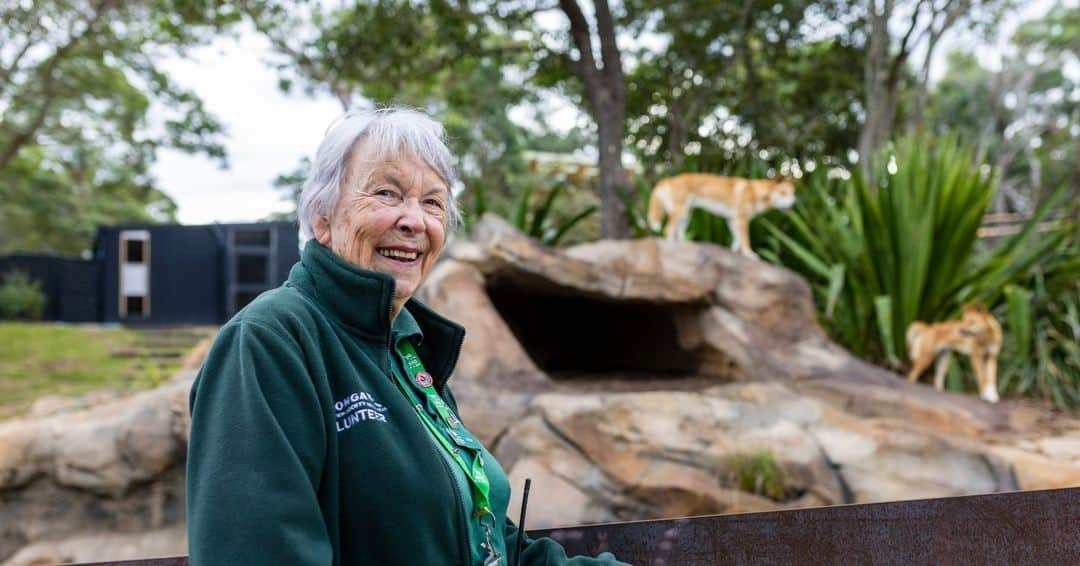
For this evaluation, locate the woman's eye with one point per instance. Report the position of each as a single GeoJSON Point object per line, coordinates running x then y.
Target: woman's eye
{"type": "Point", "coordinates": [389, 193]}
{"type": "Point", "coordinates": [434, 202]}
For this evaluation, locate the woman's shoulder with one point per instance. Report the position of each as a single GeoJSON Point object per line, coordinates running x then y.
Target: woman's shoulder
{"type": "Point", "coordinates": [283, 310]}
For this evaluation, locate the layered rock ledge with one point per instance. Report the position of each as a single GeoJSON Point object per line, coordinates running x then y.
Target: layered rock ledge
{"type": "Point", "coordinates": [629, 380]}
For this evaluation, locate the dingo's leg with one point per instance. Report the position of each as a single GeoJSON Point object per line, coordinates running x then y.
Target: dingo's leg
{"type": "Point", "coordinates": [742, 239]}
{"type": "Point", "coordinates": [920, 360]}
{"type": "Point", "coordinates": [683, 225]}
{"type": "Point", "coordinates": [991, 391]}
{"type": "Point", "coordinates": [984, 369]}
{"type": "Point", "coordinates": [734, 229]}
{"type": "Point", "coordinates": [674, 224]}
{"type": "Point", "coordinates": [940, 368]}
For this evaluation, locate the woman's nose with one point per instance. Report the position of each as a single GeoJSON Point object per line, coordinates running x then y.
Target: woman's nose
{"type": "Point", "coordinates": [412, 216]}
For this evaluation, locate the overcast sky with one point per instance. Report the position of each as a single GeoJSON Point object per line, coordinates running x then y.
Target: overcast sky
{"type": "Point", "coordinates": [267, 132]}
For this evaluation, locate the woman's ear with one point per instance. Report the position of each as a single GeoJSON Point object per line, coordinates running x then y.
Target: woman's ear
{"type": "Point", "coordinates": [321, 230]}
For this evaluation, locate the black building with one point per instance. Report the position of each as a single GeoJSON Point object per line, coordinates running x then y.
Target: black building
{"type": "Point", "coordinates": [165, 273]}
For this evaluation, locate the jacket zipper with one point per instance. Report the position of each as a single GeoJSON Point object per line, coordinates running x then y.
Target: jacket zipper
{"type": "Point", "coordinates": [460, 506]}
{"type": "Point", "coordinates": [464, 528]}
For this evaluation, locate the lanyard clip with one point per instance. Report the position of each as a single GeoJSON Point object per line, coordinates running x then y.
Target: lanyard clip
{"type": "Point", "coordinates": [493, 558]}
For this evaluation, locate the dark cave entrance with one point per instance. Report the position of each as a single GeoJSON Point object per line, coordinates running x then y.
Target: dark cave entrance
{"type": "Point", "coordinates": [574, 337]}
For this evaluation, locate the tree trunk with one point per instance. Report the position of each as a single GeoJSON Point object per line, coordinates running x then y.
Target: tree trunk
{"type": "Point", "coordinates": [917, 117]}
{"type": "Point", "coordinates": [746, 55]}
{"type": "Point", "coordinates": [612, 179]}
{"type": "Point", "coordinates": [677, 127]}
{"type": "Point", "coordinates": [873, 133]}
{"type": "Point", "coordinates": [605, 90]}
{"type": "Point", "coordinates": [1076, 172]}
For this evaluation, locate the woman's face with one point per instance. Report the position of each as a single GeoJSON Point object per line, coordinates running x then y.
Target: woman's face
{"type": "Point", "coordinates": [391, 217]}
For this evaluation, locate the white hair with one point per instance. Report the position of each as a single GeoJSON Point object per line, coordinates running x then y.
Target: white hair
{"type": "Point", "coordinates": [387, 133]}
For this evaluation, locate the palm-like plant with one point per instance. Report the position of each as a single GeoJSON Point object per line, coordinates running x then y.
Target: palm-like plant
{"type": "Point", "coordinates": [1042, 315]}
{"type": "Point", "coordinates": [536, 220]}
{"type": "Point", "coordinates": [880, 256]}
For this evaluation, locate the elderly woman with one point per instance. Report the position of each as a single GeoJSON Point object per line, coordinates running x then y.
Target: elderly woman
{"type": "Point", "coordinates": [322, 429]}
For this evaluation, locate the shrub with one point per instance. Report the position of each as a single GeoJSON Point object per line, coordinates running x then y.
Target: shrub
{"type": "Point", "coordinates": [1041, 354]}
{"type": "Point", "coordinates": [759, 473]}
{"type": "Point", "coordinates": [534, 211]}
{"type": "Point", "coordinates": [21, 297]}
{"type": "Point", "coordinates": [880, 256]}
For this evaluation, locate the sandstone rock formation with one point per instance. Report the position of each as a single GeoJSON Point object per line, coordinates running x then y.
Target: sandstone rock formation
{"type": "Point", "coordinates": [655, 308]}
{"type": "Point", "coordinates": [626, 456]}
{"type": "Point", "coordinates": [626, 378]}
{"type": "Point", "coordinates": [115, 468]}
{"type": "Point", "coordinates": [629, 380]}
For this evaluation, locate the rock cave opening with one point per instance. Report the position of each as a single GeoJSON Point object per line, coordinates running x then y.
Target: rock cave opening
{"type": "Point", "coordinates": [573, 337]}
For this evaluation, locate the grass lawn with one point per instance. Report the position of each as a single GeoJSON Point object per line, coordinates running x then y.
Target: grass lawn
{"type": "Point", "coordinates": [38, 359]}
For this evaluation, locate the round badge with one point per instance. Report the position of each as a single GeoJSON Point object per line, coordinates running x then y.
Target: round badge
{"type": "Point", "coordinates": [424, 379]}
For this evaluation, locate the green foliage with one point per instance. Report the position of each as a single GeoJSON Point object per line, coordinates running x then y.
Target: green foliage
{"type": "Point", "coordinates": [534, 211]}
{"type": "Point", "coordinates": [85, 109]}
{"type": "Point", "coordinates": [739, 79]}
{"type": "Point", "coordinates": [880, 257]}
{"type": "Point", "coordinates": [1019, 114]}
{"type": "Point", "coordinates": [52, 209]}
{"type": "Point", "coordinates": [1041, 354]}
{"type": "Point", "coordinates": [21, 297]}
{"type": "Point", "coordinates": [759, 473]}
{"type": "Point", "coordinates": [290, 185]}
{"type": "Point", "coordinates": [437, 56]}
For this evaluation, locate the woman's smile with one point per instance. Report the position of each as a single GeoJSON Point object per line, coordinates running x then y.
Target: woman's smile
{"type": "Point", "coordinates": [391, 218]}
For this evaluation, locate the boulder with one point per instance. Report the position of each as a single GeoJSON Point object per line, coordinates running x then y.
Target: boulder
{"type": "Point", "coordinates": [96, 546]}
{"type": "Point", "coordinates": [668, 454]}
{"type": "Point", "coordinates": [629, 380]}
{"type": "Point", "coordinates": [656, 307]}
{"type": "Point", "coordinates": [111, 468]}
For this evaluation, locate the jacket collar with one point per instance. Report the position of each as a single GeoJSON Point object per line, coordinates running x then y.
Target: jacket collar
{"type": "Point", "coordinates": [360, 300]}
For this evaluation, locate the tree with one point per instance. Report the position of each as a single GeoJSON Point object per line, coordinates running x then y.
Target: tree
{"type": "Point", "coordinates": [453, 59]}
{"type": "Point", "coordinates": [737, 79]}
{"type": "Point", "coordinates": [1055, 39]}
{"type": "Point", "coordinates": [85, 108]}
{"type": "Point", "coordinates": [671, 90]}
{"type": "Point", "coordinates": [924, 24]}
{"type": "Point", "coordinates": [1020, 114]}
{"type": "Point", "coordinates": [605, 91]}
{"type": "Point", "coordinates": [436, 55]}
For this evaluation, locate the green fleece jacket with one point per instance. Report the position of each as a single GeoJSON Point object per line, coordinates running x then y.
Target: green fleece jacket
{"type": "Point", "coordinates": [304, 451]}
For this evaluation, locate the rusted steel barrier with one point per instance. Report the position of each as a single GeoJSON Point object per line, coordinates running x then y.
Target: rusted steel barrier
{"type": "Point", "coordinates": [1028, 527]}
{"type": "Point", "coordinates": [1032, 527]}
{"type": "Point", "coordinates": [169, 561]}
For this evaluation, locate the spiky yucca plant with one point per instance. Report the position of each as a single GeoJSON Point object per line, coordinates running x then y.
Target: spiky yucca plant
{"type": "Point", "coordinates": [884, 254]}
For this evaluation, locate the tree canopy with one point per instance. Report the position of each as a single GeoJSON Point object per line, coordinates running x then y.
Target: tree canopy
{"type": "Point", "coordinates": [85, 109]}
{"type": "Point", "coordinates": [682, 84]}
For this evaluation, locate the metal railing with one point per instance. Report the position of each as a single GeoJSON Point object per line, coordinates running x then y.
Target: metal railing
{"type": "Point", "coordinates": [1028, 527]}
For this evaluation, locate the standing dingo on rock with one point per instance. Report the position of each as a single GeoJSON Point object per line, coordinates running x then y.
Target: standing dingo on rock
{"type": "Point", "coordinates": [976, 334]}
{"type": "Point", "coordinates": [734, 198]}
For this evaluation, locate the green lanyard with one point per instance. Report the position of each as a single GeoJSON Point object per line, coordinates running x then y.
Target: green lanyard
{"type": "Point", "coordinates": [457, 444]}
